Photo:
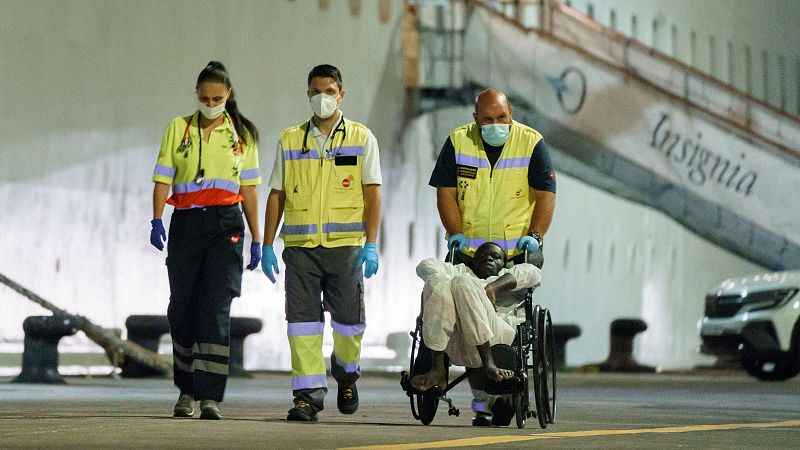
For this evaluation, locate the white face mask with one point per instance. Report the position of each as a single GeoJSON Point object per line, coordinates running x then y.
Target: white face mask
{"type": "Point", "coordinates": [211, 113]}
{"type": "Point", "coordinates": [324, 105]}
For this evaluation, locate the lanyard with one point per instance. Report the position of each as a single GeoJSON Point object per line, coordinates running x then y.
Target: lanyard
{"type": "Point", "coordinates": [198, 179]}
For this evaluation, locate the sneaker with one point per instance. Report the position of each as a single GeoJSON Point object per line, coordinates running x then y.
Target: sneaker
{"type": "Point", "coordinates": [209, 410]}
{"type": "Point", "coordinates": [347, 399]}
{"type": "Point", "coordinates": [302, 412]}
{"type": "Point", "coordinates": [482, 420]}
{"type": "Point", "coordinates": [184, 407]}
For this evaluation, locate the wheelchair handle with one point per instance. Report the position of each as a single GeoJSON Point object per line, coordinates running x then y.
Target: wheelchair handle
{"type": "Point", "coordinates": [451, 253]}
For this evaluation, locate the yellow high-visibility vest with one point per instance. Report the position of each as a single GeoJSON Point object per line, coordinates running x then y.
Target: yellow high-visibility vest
{"type": "Point", "coordinates": [324, 196]}
{"type": "Point", "coordinates": [495, 204]}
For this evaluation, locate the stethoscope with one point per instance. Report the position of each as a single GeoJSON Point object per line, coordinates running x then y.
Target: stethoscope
{"type": "Point", "coordinates": [340, 128]}
{"type": "Point", "coordinates": [186, 142]}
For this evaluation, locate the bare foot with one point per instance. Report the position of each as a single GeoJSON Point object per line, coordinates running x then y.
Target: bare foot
{"type": "Point", "coordinates": [428, 380]}
{"type": "Point", "coordinates": [498, 374]}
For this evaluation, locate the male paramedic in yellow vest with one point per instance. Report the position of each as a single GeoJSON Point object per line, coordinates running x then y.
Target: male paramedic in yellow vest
{"type": "Point", "coordinates": [494, 182]}
{"type": "Point", "coordinates": [326, 183]}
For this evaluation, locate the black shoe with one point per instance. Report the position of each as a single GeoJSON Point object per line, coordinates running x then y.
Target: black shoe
{"type": "Point", "coordinates": [302, 412]}
{"type": "Point", "coordinates": [482, 420]}
{"type": "Point", "coordinates": [502, 411]}
{"type": "Point", "coordinates": [347, 399]}
{"type": "Point", "coordinates": [209, 410]}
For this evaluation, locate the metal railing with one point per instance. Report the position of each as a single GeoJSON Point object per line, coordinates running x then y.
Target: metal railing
{"type": "Point", "coordinates": [722, 103]}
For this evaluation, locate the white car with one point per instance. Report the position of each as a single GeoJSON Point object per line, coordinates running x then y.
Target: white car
{"type": "Point", "coordinates": [758, 319]}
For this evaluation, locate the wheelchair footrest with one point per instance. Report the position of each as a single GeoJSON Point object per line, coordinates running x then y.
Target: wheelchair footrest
{"type": "Point", "coordinates": [511, 386]}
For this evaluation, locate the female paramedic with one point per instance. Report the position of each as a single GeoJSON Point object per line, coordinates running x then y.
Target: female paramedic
{"type": "Point", "coordinates": [210, 160]}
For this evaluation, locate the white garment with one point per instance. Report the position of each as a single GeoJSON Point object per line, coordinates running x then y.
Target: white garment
{"type": "Point", "coordinates": [457, 314]}
{"type": "Point", "coordinates": [370, 166]}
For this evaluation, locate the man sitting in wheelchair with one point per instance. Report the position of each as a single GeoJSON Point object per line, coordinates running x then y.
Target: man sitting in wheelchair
{"type": "Point", "coordinates": [460, 313]}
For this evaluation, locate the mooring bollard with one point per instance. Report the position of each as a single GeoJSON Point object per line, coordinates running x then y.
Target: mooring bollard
{"type": "Point", "coordinates": [241, 327]}
{"type": "Point", "coordinates": [40, 354]}
{"type": "Point", "coordinates": [620, 356]}
{"type": "Point", "coordinates": [561, 334]}
{"type": "Point", "coordinates": [145, 330]}
{"type": "Point", "coordinates": [400, 343]}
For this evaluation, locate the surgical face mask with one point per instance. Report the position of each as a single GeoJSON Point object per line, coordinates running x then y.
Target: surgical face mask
{"type": "Point", "coordinates": [495, 134]}
{"type": "Point", "coordinates": [324, 105]}
{"type": "Point", "coordinates": [211, 113]}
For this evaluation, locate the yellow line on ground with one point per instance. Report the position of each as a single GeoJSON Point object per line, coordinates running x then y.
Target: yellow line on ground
{"type": "Point", "coordinates": [492, 440]}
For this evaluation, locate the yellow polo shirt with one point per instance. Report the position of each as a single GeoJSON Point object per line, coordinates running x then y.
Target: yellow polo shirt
{"type": "Point", "coordinates": [226, 165]}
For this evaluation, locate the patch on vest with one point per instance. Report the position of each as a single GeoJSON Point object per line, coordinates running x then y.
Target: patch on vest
{"type": "Point", "coordinates": [346, 160]}
{"type": "Point", "coordinates": [466, 171]}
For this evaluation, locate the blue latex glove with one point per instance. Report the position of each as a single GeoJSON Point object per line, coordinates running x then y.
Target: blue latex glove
{"type": "Point", "coordinates": [528, 241]}
{"type": "Point", "coordinates": [255, 255]}
{"type": "Point", "coordinates": [369, 255]}
{"type": "Point", "coordinates": [269, 264]}
{"type": "Point", "coordinates": [157, 234]}
{"type": "Point", "coordinates": [458, 241]}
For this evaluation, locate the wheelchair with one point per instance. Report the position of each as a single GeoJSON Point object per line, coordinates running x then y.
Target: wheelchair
{"type": "Point", "coordinates": [532, 390]}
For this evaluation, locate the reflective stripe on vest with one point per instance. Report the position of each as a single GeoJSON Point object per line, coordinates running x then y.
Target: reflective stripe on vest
{"type": "Point", "coordinates": [495, 204]}
{"type": "Point", "coordinates": [324, 195]}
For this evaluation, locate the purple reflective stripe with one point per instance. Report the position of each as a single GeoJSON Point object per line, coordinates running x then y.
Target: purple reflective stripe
{"type": "Point", "coordinates": [348, 330]}
{"type": "Point", "coordinates": [289, 155]}
{"type": "Point", "coordinates": [249, 174]}
{"type": "Point", "coordinates": [509, 163]}
{"type": "Point", "coordinates": [474, 242]}
{"type": "Point", "coordinates": [348, 368]}
{"type": "Point", "coordinates": [469, 160]}
{"type": "Point", "coordinates": [481, 407]}
{"type": "Point", "coordinates": [333, 227]}
{"type": "Point", "coordinates": [505, 244]}
{"type": "Point", "coordinates": [165, 171]}
{"type": "Point", "coordinates": [212, 183]}
{"type": "Point", "coordinates": [305, 328]}
{"type": "Point", "coordinates": [350, 151]}
{"type": "Point", "coordinates": [296, 230]}
{"type": "Point", "coordinates": [309, 381]}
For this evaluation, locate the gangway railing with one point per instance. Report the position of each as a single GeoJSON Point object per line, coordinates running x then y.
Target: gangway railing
{"type": "Point", "coordinates": [741, 113]}
{"type": "Point", "coordinates": [714, 97]}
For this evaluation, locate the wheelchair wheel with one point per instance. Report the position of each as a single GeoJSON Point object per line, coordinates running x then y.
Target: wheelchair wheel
{"type": "Point", "coordinates": [522, 396]}
{"type": "Point", "coordinates": [546, 350]}
{"type": "Point", "coordinates": [522, 401]}
{"type": "Point", "coordinates": [538, 372]}
{"type": "Point", "coordinates": [424, 405]}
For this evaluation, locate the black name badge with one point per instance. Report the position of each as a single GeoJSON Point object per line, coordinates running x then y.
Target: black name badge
{"type": "Point", "coordinates": [466, 171]}
{"type": "Point", "coordinates": [346, 160]}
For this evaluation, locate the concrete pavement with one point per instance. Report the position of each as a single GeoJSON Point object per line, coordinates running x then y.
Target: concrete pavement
{"type": "Point", "coordinates": [694, 410]}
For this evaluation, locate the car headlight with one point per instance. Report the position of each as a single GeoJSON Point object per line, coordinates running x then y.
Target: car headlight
{"type": "Point", "coordinates": [768, 299]}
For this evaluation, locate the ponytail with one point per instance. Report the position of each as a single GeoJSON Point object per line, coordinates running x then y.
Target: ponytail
{"type": "Point", "coordinates": [216, 72]}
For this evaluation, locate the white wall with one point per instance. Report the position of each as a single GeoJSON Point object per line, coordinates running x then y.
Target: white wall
{"type": "Point", "coordinates": [91, 85]}
{"type": "Point", "coordinates": [89, 89]}
{"type": "Point", "coordinates": [766, 26]}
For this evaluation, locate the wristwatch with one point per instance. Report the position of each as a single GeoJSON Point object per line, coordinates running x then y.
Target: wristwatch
{"type": "Point", "coordinates": [538, 238]}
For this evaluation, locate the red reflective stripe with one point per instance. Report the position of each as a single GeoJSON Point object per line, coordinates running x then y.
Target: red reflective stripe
{"type": "Point", "coordinates": [206, 197]}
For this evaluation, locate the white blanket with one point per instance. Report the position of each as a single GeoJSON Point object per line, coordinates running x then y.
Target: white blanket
{"type": "Point", "coordinates": [457, 314]}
